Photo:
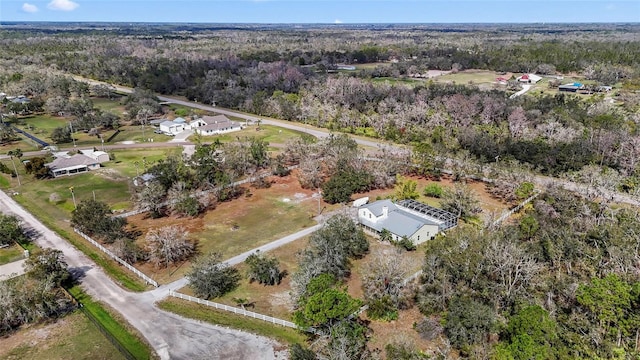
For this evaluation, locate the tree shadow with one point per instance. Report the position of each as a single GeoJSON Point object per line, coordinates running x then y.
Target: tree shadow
{"type": "Point", "coordinates": [78, 273]}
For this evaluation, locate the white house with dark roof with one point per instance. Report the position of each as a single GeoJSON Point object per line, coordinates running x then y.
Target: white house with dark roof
{"type": "Point", "coordinates": [213, 125]}
{"type": "Point", "coordinates": [407, 218]}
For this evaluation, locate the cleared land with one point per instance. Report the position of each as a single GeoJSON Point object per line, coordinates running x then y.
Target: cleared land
{"type": "Point", "coordinates": [233, 227]}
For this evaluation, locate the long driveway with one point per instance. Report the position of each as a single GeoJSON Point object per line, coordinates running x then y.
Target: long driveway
{"type": "Point", "coordinates": [170, 335]}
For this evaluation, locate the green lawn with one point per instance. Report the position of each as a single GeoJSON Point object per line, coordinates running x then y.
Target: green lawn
{"type": "Point", "coordinates": [110, 105]}
{"type": "Point", "coordinates": [406, 81]}
{"type": "Point", "coordinates": [110, 188]}
{"type": "Point", "coordinates": [136, 133]}
{"type": "Point", "coordinates": [223, 318]}
{"type": "Point", "coordinates": [125, 159]}
{"type": "Point", "coordinates": [11, 254]}
{"type": "Point", "coordinates": [475, 77]}
{"type": "Point", "coordinates": [71, 337]}
{"type": "Point", "coordinates": [41, 124]}
{"type": "Point", "coordinates": [130, 341]}
{"type": "Point", "coordinates": [269, 133]}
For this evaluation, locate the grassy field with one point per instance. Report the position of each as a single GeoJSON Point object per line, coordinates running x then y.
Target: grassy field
{"type": "Point", "coordinates": [122, 334]}
{"type": "Point", "coordinates": [269, 300]}
{"type": "Point", "coordinates": [125, 160]}
{"type": "Point", "coordinates": [268, 133]}
{"type": "Point", "coordinates": [111, 105]}
{"type": "Point", "coordinates": [22, 143]}
{"type": "Point", "coordinates": [236, 226]}
{"type": "Point", "coordinates": [70, 337]}
{"type": "Point", "coordinates": [470, 76]}
{"type": "Point", "coordinates": [11, 254]}
{"type": "Point", "coordinates": [136, 133]}
{"type": "Point", "coordinates": [222, 318]}
{"type": "Point", "coordinates": [41, 124]}
{"type": "Point", "coordinates": [108, 186]}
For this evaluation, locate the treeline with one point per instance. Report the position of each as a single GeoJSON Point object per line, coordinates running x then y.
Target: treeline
{"type": "Point", "coordinates": [561, 283]}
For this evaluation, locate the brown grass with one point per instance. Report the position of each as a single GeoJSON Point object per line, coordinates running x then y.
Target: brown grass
{"type": "Point", "coordinates": [233, 227]}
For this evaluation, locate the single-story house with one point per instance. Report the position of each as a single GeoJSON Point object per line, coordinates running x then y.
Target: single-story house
{"type": "Point", "coordinates": [213, 125]}
{"type": "Point", "coordinates": [99, 156]}
{"type": "Point", "coordinates": [76, 164]}
{"type": "Point", "coordinates": [65, 164]}
{"type": "Point", "coordinates": [571, 87]}
{"type": "Point", "coordinates": [173, 127]}
{"type": "Point", "coordinates": [529, 78]}
{"type": "Point", "coordinates": [407, 218]}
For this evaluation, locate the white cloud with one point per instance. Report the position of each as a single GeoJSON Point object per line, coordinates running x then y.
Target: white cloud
{"type": "Point", "coordinates": [30, 8]}
{"type": "Point", "coordinates": [337, 21]}
{"type": "Point", "coordinates": [63, 5]}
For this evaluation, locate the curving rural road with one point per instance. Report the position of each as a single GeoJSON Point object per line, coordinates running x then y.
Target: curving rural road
{"type": "Point", "coordinates": [170, 335]}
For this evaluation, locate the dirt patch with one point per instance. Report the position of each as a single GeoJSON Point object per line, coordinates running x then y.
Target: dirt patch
{"type": "Point", "coordinates": [402, 328]}
{"type": "Point", "coordinates": [110, 174]}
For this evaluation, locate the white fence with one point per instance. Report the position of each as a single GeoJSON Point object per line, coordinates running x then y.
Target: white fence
{"type": "Point", "coordinates": [114, 257]}
{"type": "Point", "coordinates": [233, 310]}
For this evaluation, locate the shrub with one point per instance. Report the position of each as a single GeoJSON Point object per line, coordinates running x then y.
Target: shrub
{"type": "Point", "coordinates": [433, 190]}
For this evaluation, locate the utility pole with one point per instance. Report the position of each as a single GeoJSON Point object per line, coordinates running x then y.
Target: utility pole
{"type": "Point", "coordinates": [72, 138]}
{"type": "Point", "coordinates": [73, 196]}
{"type": "Point", "coordinates": [17, 153]}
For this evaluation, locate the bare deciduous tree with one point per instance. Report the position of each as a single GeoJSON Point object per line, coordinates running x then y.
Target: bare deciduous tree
{"type": "Point", "coordinates": [169, 244]}
{"type": "Point", "coordinates": [384, 275]}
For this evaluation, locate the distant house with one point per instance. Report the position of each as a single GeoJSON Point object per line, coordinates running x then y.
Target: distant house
{"type": "Point", "coordinates": [407, 218]}
{"type": "Point", "coordinates": [173, 127]}
{"type": "Point", "coordinates": [571, 87]}
{"type": "Point", "coordinates": [529, 78]}
{"type": "Point", "coordinates": [502, 80]}
{"type": "Point", "coordinates": [212, 125]}
{"type": "Point", "coordinates": [65, 164]}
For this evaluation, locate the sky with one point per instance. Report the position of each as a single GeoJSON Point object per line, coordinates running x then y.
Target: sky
{"type": "Point", "coordinates": [323, 11]}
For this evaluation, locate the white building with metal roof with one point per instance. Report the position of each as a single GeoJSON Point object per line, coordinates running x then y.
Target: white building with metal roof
{"type": "Point", "coordinates": [407, 218]}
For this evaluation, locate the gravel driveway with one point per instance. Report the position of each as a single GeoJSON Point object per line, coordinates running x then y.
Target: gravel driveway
{"type": "Point", "coordinates": [170, 335]}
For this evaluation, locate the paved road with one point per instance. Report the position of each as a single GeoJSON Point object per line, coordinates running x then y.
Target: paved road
{"type": "Point", "coordinates": [171, 336]}
{"type": "Point", "coordinates": [12, 269]}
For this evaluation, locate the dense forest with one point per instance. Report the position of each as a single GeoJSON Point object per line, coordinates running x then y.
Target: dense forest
{"type": "Point", "coordinates": [562, 281]}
